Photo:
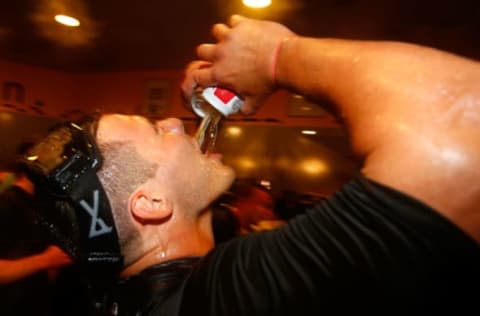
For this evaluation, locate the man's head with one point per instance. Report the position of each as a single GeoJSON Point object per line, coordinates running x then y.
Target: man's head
{"type": "Point", "coordinates": [158, 185]}
{"type": "Point", "coordinates": [253, 204]}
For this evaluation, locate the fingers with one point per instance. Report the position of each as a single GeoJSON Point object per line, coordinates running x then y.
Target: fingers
{"type": "Point", "coordinates": [220, 31]}
{"type": "Point", "coordinates": [198, 72]}
{"type": "Point", "coordinates": [235, 19]}
{"type": "Point", "coordinates": [194, 65]}
{"type": "Point", "coordinates": [189, 83]}
{"type": "Point", "coordinates": [56, 257]}
{"type": "Point", "coordinates": [206, 52]}
{"type": "Point", "coordinates": [204, 77]}
{"type": "Point", "coordinates": [249, 106]}
{"type": "Point", "coordinates": [252, 104]}
{"type": "Point", "coordinates": [197, 64]}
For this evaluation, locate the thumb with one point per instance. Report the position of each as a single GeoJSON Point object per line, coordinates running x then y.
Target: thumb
{"type": "Point", "coordinates": [190, 80]}
{"type": "Point", "coordinates": [251, 105]}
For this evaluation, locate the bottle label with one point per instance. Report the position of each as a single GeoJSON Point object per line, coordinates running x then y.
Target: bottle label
{"type": "Point", "coordinates": [224, 95]}
{"type": "Point", "coordinates": [225, 101]}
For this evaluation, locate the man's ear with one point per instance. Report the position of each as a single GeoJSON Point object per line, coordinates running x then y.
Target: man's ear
{"type": "Point", "coordinates": [147, 208]}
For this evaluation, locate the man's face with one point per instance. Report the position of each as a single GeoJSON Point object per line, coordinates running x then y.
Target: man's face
{"type": "Point", "coordinates": [191, 178]}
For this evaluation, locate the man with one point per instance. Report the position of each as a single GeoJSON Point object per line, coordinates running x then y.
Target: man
{"type": "Point", "coordinates": [167, 202]}
{"type": "Point", "coordinates": [388, 94]}
{"type": "Point", "coordinates": [402, 238]}
{"type": "Point", "coordinates": [158, 183]}
{"type": "Point", "coordinates": [27, 260]}
{"type": "Point", "coordinates": [254, 207]}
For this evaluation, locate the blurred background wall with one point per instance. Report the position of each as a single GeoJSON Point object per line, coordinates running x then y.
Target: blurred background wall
{"type": "Point", "coordinates": [268, 146]}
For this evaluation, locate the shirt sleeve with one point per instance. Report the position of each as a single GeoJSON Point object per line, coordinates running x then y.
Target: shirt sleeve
{"type": "Point", "coordinates": [366, 246]}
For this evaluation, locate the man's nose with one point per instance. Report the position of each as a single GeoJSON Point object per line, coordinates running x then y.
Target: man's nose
{"type": "Point", "coordinates": [172, 125]}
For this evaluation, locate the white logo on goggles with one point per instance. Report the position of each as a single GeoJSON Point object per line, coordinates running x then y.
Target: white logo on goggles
{"type": "Point", "coordinates": [93, 212]}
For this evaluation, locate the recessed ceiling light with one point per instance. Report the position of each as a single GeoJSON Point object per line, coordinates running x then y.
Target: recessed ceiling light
{"type": "Point", "coordinates": [257, 3]}
{"type": "Point", "coordinates": [309, 132]}
{"type": "Point", "coordinates": [67, 20]}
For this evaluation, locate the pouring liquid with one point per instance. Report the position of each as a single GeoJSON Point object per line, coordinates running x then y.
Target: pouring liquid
{"type": "Point", "coordinates": [206, 134]}
{"type": "Point", "coordinates": [212, 104]}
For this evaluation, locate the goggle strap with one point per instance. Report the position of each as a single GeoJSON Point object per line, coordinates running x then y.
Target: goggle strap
{"type": "Point", "coordinates": [96, 223]}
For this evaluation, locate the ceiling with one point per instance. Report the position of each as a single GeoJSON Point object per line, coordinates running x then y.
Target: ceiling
{"type": "Point", "coordinates": [154, 34]}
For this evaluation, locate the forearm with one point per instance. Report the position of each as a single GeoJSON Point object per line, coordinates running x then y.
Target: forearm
{"type": "Point", "coordinates": [378, 85]}
{"type": "Point", "coordinates": [13, 270]}
{"type": "Point", "coordinates": [411, 111]}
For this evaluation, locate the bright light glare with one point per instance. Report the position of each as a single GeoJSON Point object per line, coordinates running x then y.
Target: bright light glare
{"type": "Point", "coordinates": [234, 131]}
{"type": "Point", "coordinates": [246, 163]}
{"type": "Point", "coordinates": [314, 167]}
{"type": "Point", "coordinates": [6, 117]}
{"type": "Point", "coordinates": [266, 183]}
{"type": "Point", "coordinates": [257, 3]}
{"type": "Point", "coordinates": [309, 132]}
{"type": "Point", "coordinates": [67, 20]}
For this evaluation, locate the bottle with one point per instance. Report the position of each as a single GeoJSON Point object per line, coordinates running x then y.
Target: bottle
{"type": "Point", "coordinates": [212, 104]}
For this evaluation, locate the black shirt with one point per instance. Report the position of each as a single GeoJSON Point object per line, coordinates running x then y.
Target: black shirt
{"type": "Point", "coordinates": [367, 249]}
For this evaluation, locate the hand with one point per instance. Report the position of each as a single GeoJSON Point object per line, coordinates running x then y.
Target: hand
{"type": "Point", "coordinates": [243, 60]}
{"type": "Point", "coordinates": [16, 269]}
{"type": "Point", "coordinates": [54, 257]}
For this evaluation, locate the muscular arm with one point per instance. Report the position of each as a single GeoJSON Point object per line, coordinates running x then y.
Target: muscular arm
{"type": "Point", "coordinates": [382, 85]}
{"type": "Point", "coordinates": [412, 112]}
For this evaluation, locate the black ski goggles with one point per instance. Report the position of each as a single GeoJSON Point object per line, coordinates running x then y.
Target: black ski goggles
{"type": "Point", "coordinates": [72, 202]}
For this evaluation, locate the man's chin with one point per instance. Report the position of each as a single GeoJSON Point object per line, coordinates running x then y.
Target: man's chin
{"type": "Point", "coordinates": [230, 175]}
{"type": "Point", "coordinates": [224, 181]}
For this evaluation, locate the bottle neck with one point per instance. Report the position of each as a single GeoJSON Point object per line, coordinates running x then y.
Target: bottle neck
{"type": "Point", "coordinates": [207, 131]}
{"type": "Point", "coordinates": [212, 104]}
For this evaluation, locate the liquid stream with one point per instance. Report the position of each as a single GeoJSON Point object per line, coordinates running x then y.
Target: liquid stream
{"type": "Point", "coordinates": [206, 134]}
